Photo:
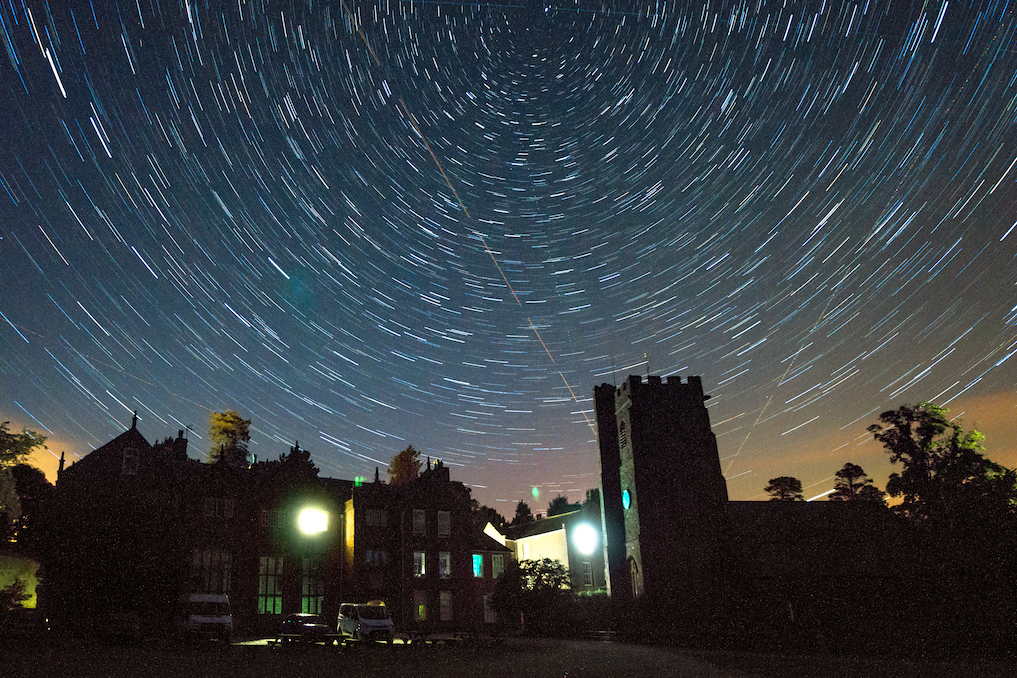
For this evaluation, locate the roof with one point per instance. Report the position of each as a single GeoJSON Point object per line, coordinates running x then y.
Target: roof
{"type": "Point", "coordinates": [552, 524]}
{"type": "Point", "coordinates": [485, 542]}
{"type": "Point", "coordinates": [108, 459]}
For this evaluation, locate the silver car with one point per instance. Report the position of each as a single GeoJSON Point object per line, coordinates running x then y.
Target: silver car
{"type": "Point", "coordinates": [366, 621]}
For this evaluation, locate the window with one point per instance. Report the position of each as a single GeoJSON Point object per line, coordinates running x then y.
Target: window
{"type": "Point", "coordinates": [375, 558]}
{"type": "Point", "coordinates": [217, 507]}
{"type": "Point", "coordinates": [497, 565]}
{"type": "Point", "coordinates": [587, 573]}
{"type": "Point", "coordinates": [376, 518]}
{"type": "Point", "coordinates": [270, 572]}
{"type": "Point", "coordinates": [478, 564]}
{"type": "Point", "coordinates": [130, 466]}
{"type": "Point", "coordinates": [444, 524]}
{"type": "Point", "coordinates": [312, 591]}
{"type": "Point", "coordinates": [445, 606]}
{"type": "Point", "coordinates": [444, 564]}
{"type": "Point", "coordinates": [419, 521]}
{"type": "Point", "coordinates": [420, 606]}
{"type": "Point", "coordinates": [210, 571]}
{"type": "Point", "coordinates": [418, 564]}
{"type": "Point", "coordinates": [269, 518]}
{"type": "Point", "coordinates": [490, 616]}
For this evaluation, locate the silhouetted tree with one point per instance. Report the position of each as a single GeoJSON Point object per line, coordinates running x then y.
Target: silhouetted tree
{"type": "Point", "coordinates": [14, 449]}
{"type": "Point", "coordinates": [592, 498]}
{"type": "Point", "coordinates": [404, 467]}
{"type": "Point", "coordinates": [944, 474]}
{"type": "Point", "coordinates": [560, 505]}
{"type": "Point", "coordinates": [523, 514]}
{"type": "Point", "coordinates": [35, 493]}
{"type": "Point", "coordinates": [229, 434]}
{"type": "Point", "coordinates": [539, 589]}
{"type": "Point", "coordinates": [482, 515]}
{"type": "Point", "coordinates": [13, 596]}
{"type": "Point", "coordinates": [853, 484]}
{"type": "Point", "coordinates": [964, 508]}
{"type": "Point", "coordinates": [784, 488]}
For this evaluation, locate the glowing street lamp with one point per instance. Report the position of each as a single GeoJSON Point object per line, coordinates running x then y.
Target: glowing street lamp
{"type": "Point", "coordinates": [585, 538]}
{"type": "Point", "coordinates": [312, 521]}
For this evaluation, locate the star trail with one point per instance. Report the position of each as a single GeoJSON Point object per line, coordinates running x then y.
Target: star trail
{"type": "Point", "coordinates": [368, 225]}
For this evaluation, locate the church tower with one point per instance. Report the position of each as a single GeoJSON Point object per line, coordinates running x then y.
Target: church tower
{"type": "Point", "coordinates": [665, 498]}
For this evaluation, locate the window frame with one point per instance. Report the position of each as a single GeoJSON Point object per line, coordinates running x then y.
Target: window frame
{"type": "Point", "coordinates": [497, 565]}
{"type": "Point", "coordinates": [420, 522]}
{"type": "Point", "coordinates": [270, 592]}
{"type": "Point", "coordinates": [419, 564]}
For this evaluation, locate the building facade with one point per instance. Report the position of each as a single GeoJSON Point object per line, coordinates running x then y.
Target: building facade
{"type": "Point", "coordinates": [574, 539]}
{"type": "Point", "coordinates": [137, 525]}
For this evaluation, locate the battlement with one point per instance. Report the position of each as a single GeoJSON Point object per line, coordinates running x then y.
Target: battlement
{"type": "Point", "coordinates": [670, 385]}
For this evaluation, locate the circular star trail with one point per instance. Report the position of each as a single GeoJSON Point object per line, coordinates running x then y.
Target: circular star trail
{"type": "Point", "coordinates": [369, 225]}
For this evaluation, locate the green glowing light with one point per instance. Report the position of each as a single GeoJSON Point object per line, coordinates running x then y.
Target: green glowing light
{"type": "Point", "coordinates": [535, 492]}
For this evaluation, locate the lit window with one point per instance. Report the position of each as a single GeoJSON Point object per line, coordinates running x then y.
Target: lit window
{"type": "Point", "coordinates": [444, 564]}
{"type": "Point", "coordinates": [497, 565]}
{"type": "Point", "coordinates": [420, 606]}
{"type": "Point", "coordinates": [445, 605]}
{"type": "Point", "coordinates": [478, 564]}
{"type": "Point", "coordinates": [587, 573]}
{"type": "Point", "coordinates": [419, 521]}
{"type": "Point", "coordinates": [270, 585]}
{"type": "Point", "coordinates": [313, 587]}
{"type": "Point", "coordinates": [444, 524]}
{"type": "Point", "coordinates": [418, 564]}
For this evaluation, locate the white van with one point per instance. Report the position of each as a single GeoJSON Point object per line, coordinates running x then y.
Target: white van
{"type": "Point", "coordinates": [366, 621]}
{"type": "Point", "coordinates": [206, 615]}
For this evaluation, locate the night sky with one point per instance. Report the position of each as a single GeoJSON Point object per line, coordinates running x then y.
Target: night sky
{"type": "Point", "coordinates": [368, 225]}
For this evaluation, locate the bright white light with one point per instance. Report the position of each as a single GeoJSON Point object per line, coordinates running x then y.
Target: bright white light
{"type": "Point", "coordinates": [312, 521]}
{"type": "Point", "coordinates": [585, 538]}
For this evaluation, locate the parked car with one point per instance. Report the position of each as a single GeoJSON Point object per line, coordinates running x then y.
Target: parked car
{"type": "Point", "coordinates": [306, 628]}
{"type": "Point", "coordinates": [205, 615]}
{"type": "Point", "coordinates": [366, 621]}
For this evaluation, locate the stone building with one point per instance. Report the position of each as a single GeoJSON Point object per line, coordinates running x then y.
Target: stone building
{"type": "Point", "coordinates": [136, 525]}
{"type": "Point", "coordinates": [678, 547]}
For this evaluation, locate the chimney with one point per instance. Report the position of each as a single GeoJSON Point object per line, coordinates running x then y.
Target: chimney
{"type": "Point", "coordinates": [180, 446]}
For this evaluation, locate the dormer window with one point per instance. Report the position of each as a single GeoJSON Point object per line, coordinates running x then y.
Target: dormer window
{"type": "Point", "coordinates": [130, 465]}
